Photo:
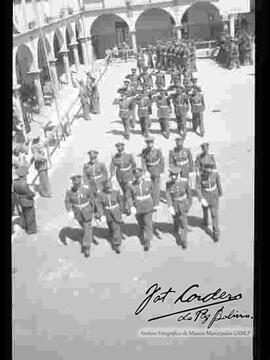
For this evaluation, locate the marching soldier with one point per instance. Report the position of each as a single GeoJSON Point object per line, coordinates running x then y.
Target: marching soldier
{"type": "Point", "coordinates": [163, 113]}
{"type": "Point", "coordinates": [197, 109]}
{"type": "Point", "coordinates": [130, 92]}
{"type": "Point", "coordinates": [124, 112]}
{"type": "Point", "coordinates": [144, 103]}
{"type": "Point", "coordinates": [204, 158]}
{"type": "Point", "coordinates": [180, 102]}
{"type": "Point", "coordinates": [180, 158]}
{"type": "Point", "coordinates": [141, 193]}
{"type": "Point", "coordinates": [123, 167]}
{"type": "Point", "coordinates": [179, 200]}
{"type": "Point", "coordinates": [94, 172]}
{"type": "Point", "coordinates": [209, 190]}
{"type": "Point", "coordinates": [146, 79]}
{"type": "Point", "coordinates": [160, 79]}
{"type": "Point", "coordinates": [81, 205]}
{"type": "Point", "coordinates": [111, 205]}
{"type": "Point", "coordinates": [25, 198]}
{"type": "Point", "coordinates": [133, 77]}
{"type": "Point", "coordinates": [140, 60]}
{"type": "Point", "coordinates": [94, 96]}
{"type": "Point", "coordinates": [175, 77]}
{"type": "Point", "coordinates": [153, 162]}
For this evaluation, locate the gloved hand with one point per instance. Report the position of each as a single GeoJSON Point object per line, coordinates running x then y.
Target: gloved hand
{"type": "Point", "coordinates": [133, 210]}
{"type": "Point", "coordinates": [171, 210]}
{"type": "Point", "coordinates": [103, 219]}
{"type": "Point", "coordinates": [70, 215]}
{"type": "Point", "coordinates": [204, 203]}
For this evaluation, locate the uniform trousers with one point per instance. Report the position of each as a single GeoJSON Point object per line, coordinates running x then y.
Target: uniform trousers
{"type": "Point", "coordinates": [145, 227]}
{"type": "Point", "coordinates": [214, 215]}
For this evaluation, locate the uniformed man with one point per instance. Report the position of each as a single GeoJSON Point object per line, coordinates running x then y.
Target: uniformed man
{"type": "Point", "coordinates": [233, 55]}
{"type": "Point", "coordinates": [197, 109]}
{"type": "Point", "coordinates": [160, 79]}
{"type": "Point", "coordinates": [130, 92]}
{"type": "Point", "coordinates": [209, 190]}
{"type": "Point", "coordinates": [180, 102]}
{"type": "Point", "coordinates": [42, 161]}
{"type": "Point", "coordinates": [141, 193]}
{"type": "Point", "coordinates": [133, 77]}
{"type": "Point", "coordinates": [204, 158]}
{"type": "Point", "coordinates": [94, 172]}
{"type": "Point", "coordinates": [192, 56]}
{"type": "Point", "coordinates": [146, 79]}
{"type": "Point", "coordinates": [153, 162]}
{"type": "Point", "coordinates": [81, 205]}
{"type": "Point", "coordinates": [85, 101]}
{"type": "Point", "coordinates": [175, 76]}
{"type": "Point", "coordinates": [111, 205]}
{"type": "Point", "coordinates": [164, 108]}
{"type": "Point", "coordinates": [122, 168]}
{"type": "Point", "coordinates": [140, 60]}
{"type": "Point", "coordinates": [150, 53]}
{"type": "Point", "coordinates": [180, 158]}
{"type": "Point", "coordinates": [124, 112]}
{"type": "Point", "coordinates": [25, 198]}
{"type": "Point", "coordinates": [144, 102]}
{"type": "Point", "coordinates": [179, 200]}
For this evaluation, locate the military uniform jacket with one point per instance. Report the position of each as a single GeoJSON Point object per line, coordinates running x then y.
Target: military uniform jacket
{"type": "Point", "coordinates": [160, 80]}
{"type": "Point", "coordinates": [202, 160]}
{"type": "Point", "coordinates": [23, 192]}
{"type": "Point", "coordinates": [124, 107]}
{"type": "Point", "coordinates": [141, 194]}
{"type": "Point", "coordinates": [111, 204]}
{"type": "Point", "coordinates": [197, 103]}
{"type": "Point", "coordinates": [180, 158]}
{"type": "Point", "coordinates": [163, 104]}
{"type": "Point", "coordinates": [180, 103]}
{"type": "Point", "coordinates": [175, 77]}
{"type": "Point", "coordinates": [143, 102]}
{"type": "Point", "coordinates": [146, 80]}
{"type": "Point", "coordinates": [178, 195]}
{"type": "Point", "coordinates": [153, 161]}
{"type": "Point", "coordinates": [95, 171]}
{"type": "Point", "coordinates": [209, 187]}
{"type": "Point", "coordinates": [82, 202]}
{"type": "Point", "coordinates": [124, 166]}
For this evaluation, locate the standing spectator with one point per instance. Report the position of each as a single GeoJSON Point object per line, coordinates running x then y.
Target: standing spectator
{"type": "Point", "coordinates": [115, 52]}
{"type": "Point", "coordinates": [94, 101]}
{"type": "Point", "coordinates": [42, 160]}
{"type": "Point", "coordinates": [85, 101]}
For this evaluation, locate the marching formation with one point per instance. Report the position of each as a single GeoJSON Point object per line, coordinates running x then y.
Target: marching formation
{"type": "Point", "coordinates": [111, 193]}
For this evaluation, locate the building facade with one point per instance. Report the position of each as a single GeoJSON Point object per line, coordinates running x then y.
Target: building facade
{"type": "Point", "coordinates": [51, 36]}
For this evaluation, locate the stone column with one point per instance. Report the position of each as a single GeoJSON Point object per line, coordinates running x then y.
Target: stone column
{"type": "Point", "coordinates": [64, 53]}
{"type": "Point", "coordinates": [54, 75]}
{"type": "Point", "coordinates": [232, 25]}
{"type": "Point", "coordinates": [83, 41]}
{"type": "Point", "coordinates": [74, 48]}
{"type": "Point", "coordinates": [133, 40]}
{"type": "Point", "coordinates": [179, 32]}
{"type": "Point", "coordinates": [37, 84]}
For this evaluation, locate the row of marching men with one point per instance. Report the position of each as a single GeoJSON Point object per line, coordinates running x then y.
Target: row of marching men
{"type": "Point", "coordinates": [94, 194]}
{"type": "Point", "coordinates": [170, 54]}
{"type": "Point", "coordinates": [182, 95]}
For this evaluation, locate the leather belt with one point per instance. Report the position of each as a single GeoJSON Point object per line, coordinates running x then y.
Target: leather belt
{"type": "Point", "coordinates": [154, 163]}
{"type": "Point", "coordinates": [81, 205]}
{"type": "Point", "coordinates": [125, 168]}
{"type": "Point", "coordinates": [211, 188]}
{"type": "Point", "coordinates": [112, 207]}
{"type": "Point", "coordinates": [180, 198]}
{"type": "Point", "coordinates": [143, 107]}
{"type": "Point", "coordinates": [97, 176]}
{"type": "Point", "coordinates": [163, 106]}
{"type": "Point", "coordinates": [182, 162]}
{"type": "Point", "coordinates": [143, 197]}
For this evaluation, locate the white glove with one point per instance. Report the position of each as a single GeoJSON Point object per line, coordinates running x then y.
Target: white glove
{"type": "Point", "coordinates": [103, 219]}
{"type": "Point", "coordinates": [171, 210]}
{"type": "Point", "coordinates": [133, 210]}
{"type": "Point", "coordinates": [204, 203]}
{"type": "Point", "coordinates": [70, 215]}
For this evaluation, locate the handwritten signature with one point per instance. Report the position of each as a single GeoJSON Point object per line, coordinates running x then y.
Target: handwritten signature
{"type": "Point", "coordinates": [195, 313]}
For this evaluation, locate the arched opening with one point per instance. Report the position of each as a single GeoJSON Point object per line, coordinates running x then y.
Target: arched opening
{"type": "Point", "coordinates": [202, 21]}
{"type": "Point", "coordinates": [24, 61]}
{"type": "Point", "coordinates": [42, 60]}
{"type": "Point", "coordinates": [77, 33]}
{"type": "Point", "coordinates": [108, 30]}
{"type": "Point", "coordinates": [152, 25]}
{"type": "Point", "coordinates": [68, 41]}
{"type": "Point", "coordinates": [57, 45]}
